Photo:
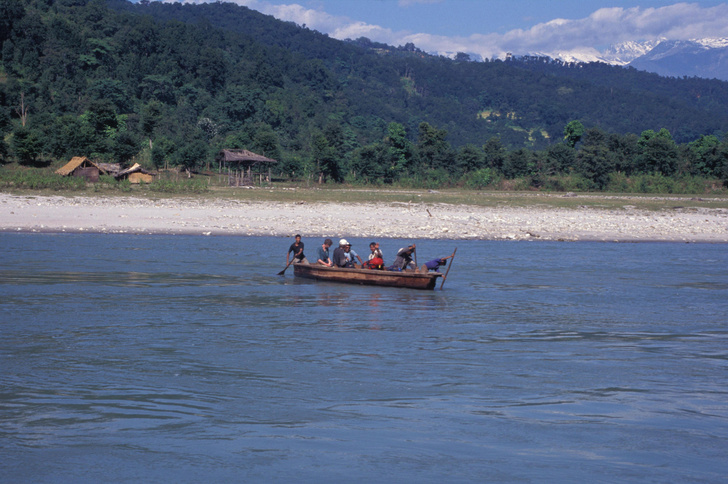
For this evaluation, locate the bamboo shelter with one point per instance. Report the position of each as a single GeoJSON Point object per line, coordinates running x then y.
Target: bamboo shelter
{"type": "Point", "coordinates": [240, 165]}
{"type": "Point", "coordinates": [82, 167]}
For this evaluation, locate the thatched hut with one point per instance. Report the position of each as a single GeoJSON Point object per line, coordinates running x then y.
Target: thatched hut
{"type": "Point", "coordinates": [244, 161]}
{"type": "Point", "coordinates": [83, 167]}
{"type": "Point", "coordinates": [135, 174]}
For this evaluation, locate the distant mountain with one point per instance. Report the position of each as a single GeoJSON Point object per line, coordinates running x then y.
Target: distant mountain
{"type": "Point", "coordinates": [624, 53]}
{"type": "Point", "coordinates": [706, 58]}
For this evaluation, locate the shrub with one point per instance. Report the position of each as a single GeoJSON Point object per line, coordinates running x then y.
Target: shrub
{"type": "Point", "coordinates": [480, 179]}
{"type": "Point", "coordinates": [38, 179]}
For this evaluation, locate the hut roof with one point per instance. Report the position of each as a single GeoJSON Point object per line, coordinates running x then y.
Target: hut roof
{"type": "Point", "coordinates": [110, 168]}
{"type": "Point", "coordinates": [133, 169]}
{"type": "Point", "coordinates": [243, 156]}
{"type": "Point", "coordinates": [75, 162]}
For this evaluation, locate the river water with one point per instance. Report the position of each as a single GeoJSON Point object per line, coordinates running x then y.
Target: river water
{"type": "Point", "coordinates": [182, 358]}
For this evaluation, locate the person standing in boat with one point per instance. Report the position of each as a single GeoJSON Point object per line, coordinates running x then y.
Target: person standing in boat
{"type": "Point", "coordinates": [434, 264]}
{"type": "Point", "coordinates": [403, 261]}
{"type": "Point", "coordinates": [297, 249]}
{"type": "Point", "coordinates": [323, 253]}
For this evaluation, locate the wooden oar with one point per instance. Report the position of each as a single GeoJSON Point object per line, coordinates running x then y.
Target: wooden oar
{"type": "Point", "coordinates": [284, 270]}
{"type": "Point", "coordinates": [452, 257]}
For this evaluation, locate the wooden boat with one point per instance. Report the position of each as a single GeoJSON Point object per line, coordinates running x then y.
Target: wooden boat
{"type": "Point", "coordinates": [407, 279]}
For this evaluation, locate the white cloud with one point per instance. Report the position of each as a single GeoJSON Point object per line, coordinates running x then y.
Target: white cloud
{"type": "Point", "coordinates": [600, 29]}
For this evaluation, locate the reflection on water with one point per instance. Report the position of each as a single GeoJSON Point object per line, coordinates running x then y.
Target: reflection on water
{"type": "Point", "coordinates": [188, 358]}
{"type": "Point", "coordinates": [121, 279]}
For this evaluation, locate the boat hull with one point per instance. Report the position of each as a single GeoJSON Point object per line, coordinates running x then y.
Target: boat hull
{"type": "Point", "coordinates": [406, 279]}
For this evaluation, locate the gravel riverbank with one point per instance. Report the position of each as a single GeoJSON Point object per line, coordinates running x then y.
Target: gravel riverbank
{"type": "Point", "coordinates": [30, 213]}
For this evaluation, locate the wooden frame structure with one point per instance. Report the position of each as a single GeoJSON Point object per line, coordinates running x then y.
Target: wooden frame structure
{"type": "Point", "coordinates": [244, 161]}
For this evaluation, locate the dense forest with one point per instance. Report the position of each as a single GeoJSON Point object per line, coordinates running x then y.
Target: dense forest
{"type": "Point", "coordinates": [170, 84]}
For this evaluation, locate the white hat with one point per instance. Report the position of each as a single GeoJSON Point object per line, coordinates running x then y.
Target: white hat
{"type": "Point", "coordinates": [343, 242]}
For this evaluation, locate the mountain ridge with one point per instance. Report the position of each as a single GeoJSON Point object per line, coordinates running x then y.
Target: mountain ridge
{"type": "Point", "coordinates": [706, 58]}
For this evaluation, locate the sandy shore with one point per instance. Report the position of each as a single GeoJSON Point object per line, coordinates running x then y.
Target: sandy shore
{"type": "Point", "coordinates": [26, 213]}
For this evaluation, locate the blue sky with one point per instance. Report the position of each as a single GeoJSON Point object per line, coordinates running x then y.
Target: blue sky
{"type": "Point", "coordinates": [492, 27]}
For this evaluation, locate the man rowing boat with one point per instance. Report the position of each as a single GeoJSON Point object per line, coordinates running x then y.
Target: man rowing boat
{"type": "Point", "coordinates": [297, 249]}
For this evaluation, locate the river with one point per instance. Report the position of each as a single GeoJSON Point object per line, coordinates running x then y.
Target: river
{"type": "Point", "coordinates": [187, 359]}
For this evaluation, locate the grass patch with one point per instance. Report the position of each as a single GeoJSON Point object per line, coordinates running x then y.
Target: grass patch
{"type": "Point", "coordinates": [193, 185]}
{"type": "Point", "coordinates": [516, 193]}
{"type": "Point", "coordinates": [33, 179]}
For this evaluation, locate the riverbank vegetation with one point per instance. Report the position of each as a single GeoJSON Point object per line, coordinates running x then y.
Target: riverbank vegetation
{"type": "Point", "coordinates": [170, 85]}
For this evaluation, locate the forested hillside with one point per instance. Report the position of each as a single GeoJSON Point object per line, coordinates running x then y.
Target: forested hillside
{"type": "Point", "coordinates": [173, 84]}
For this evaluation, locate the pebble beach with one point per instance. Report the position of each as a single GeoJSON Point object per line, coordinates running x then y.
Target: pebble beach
{"type": "Point", "coordinates": [415, 221]}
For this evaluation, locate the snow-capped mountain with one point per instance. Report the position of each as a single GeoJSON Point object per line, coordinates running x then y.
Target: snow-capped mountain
{"type": "Point", "coordinates": [453, 55]}
{"type": "Point", "coordinates": [706, 58]}
{"type": "Point", "coordinates": [676, 58]}
{"type": "Point", "coordinates": [624, 53]}
{"type": "Point", "coordinates": [617, 54]}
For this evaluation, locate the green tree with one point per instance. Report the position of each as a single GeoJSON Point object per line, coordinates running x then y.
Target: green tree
{"type": "Point", "coordinates": [368, 162]}
{"type": "Point", "coordinates": [3, 150]}
{"type": "Point", "coordinates": [573, 133]}
{"type": "Point", "coordinates": [399, 150]}
{"type": "Point", "coordinates": [240, 105]}
{"type": "Point", "coordinates": [70, 136]}
{"type": "Point", "coordinates": [594, 161]}
{"type": "Point", "coordinates": [11, 11]}
{"type": "Point", "coordinates": [495, 153]}
{"type": "Point", "coordinates": [25, 145]}
{"type": "Point", "coordinates": [705, 155]}
{"type": "Point", "coordinates": [519, 163]}
{"type": "Point", "coordinates": [112, 90]}
{"type": "Point", "coordinates": [432, 148]}
{"type": "Point", "coordinates": [480, 179]}
{"type": "Point", "coordinates": [721, 164]}
{"type": "Point", "coordinates": [151, 116]}
{"type": "Point", "coordinates": [125, 147]}
{"type": "Point", "coordinates": [626, 150]}
{"type": "Point", "coordinates": [470, 158]}
{"type": "Point", "coordinates": [265, 141]}
{"type": "Point", "coordinates": [325, 157]}
{"type": "Point", "coordinates": [101, 116]}
{"type": "Point", "coordinates": [558, 158]}
{"type": "Point", "coordinates": [158, 87]}
{"type": "Point", "coordinates": [162, 151]}
{"type": "Point", "coordinates": [191, 155]}
{"type": "Point", "coordinates": [659, 153]}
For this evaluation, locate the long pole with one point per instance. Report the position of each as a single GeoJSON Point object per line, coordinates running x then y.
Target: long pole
{"type": "Point", "coordinates": [452, 258]}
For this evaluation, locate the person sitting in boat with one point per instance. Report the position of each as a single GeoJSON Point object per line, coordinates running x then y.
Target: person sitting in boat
{"type": "Point", "coordinates": [297, 249]}
{"type": "Point", "coordinates": [323, 253]}
{"type": "Point", "coordinates": [376, 258]}
{"type": "Point", "coordinates": [404, 261]}
{"type": "Point", "coordinates": [340, 259]}
{"type": "Point", "coordinates": [351, 256]}
{"type": "Point", "coordinates": [376, 252]}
